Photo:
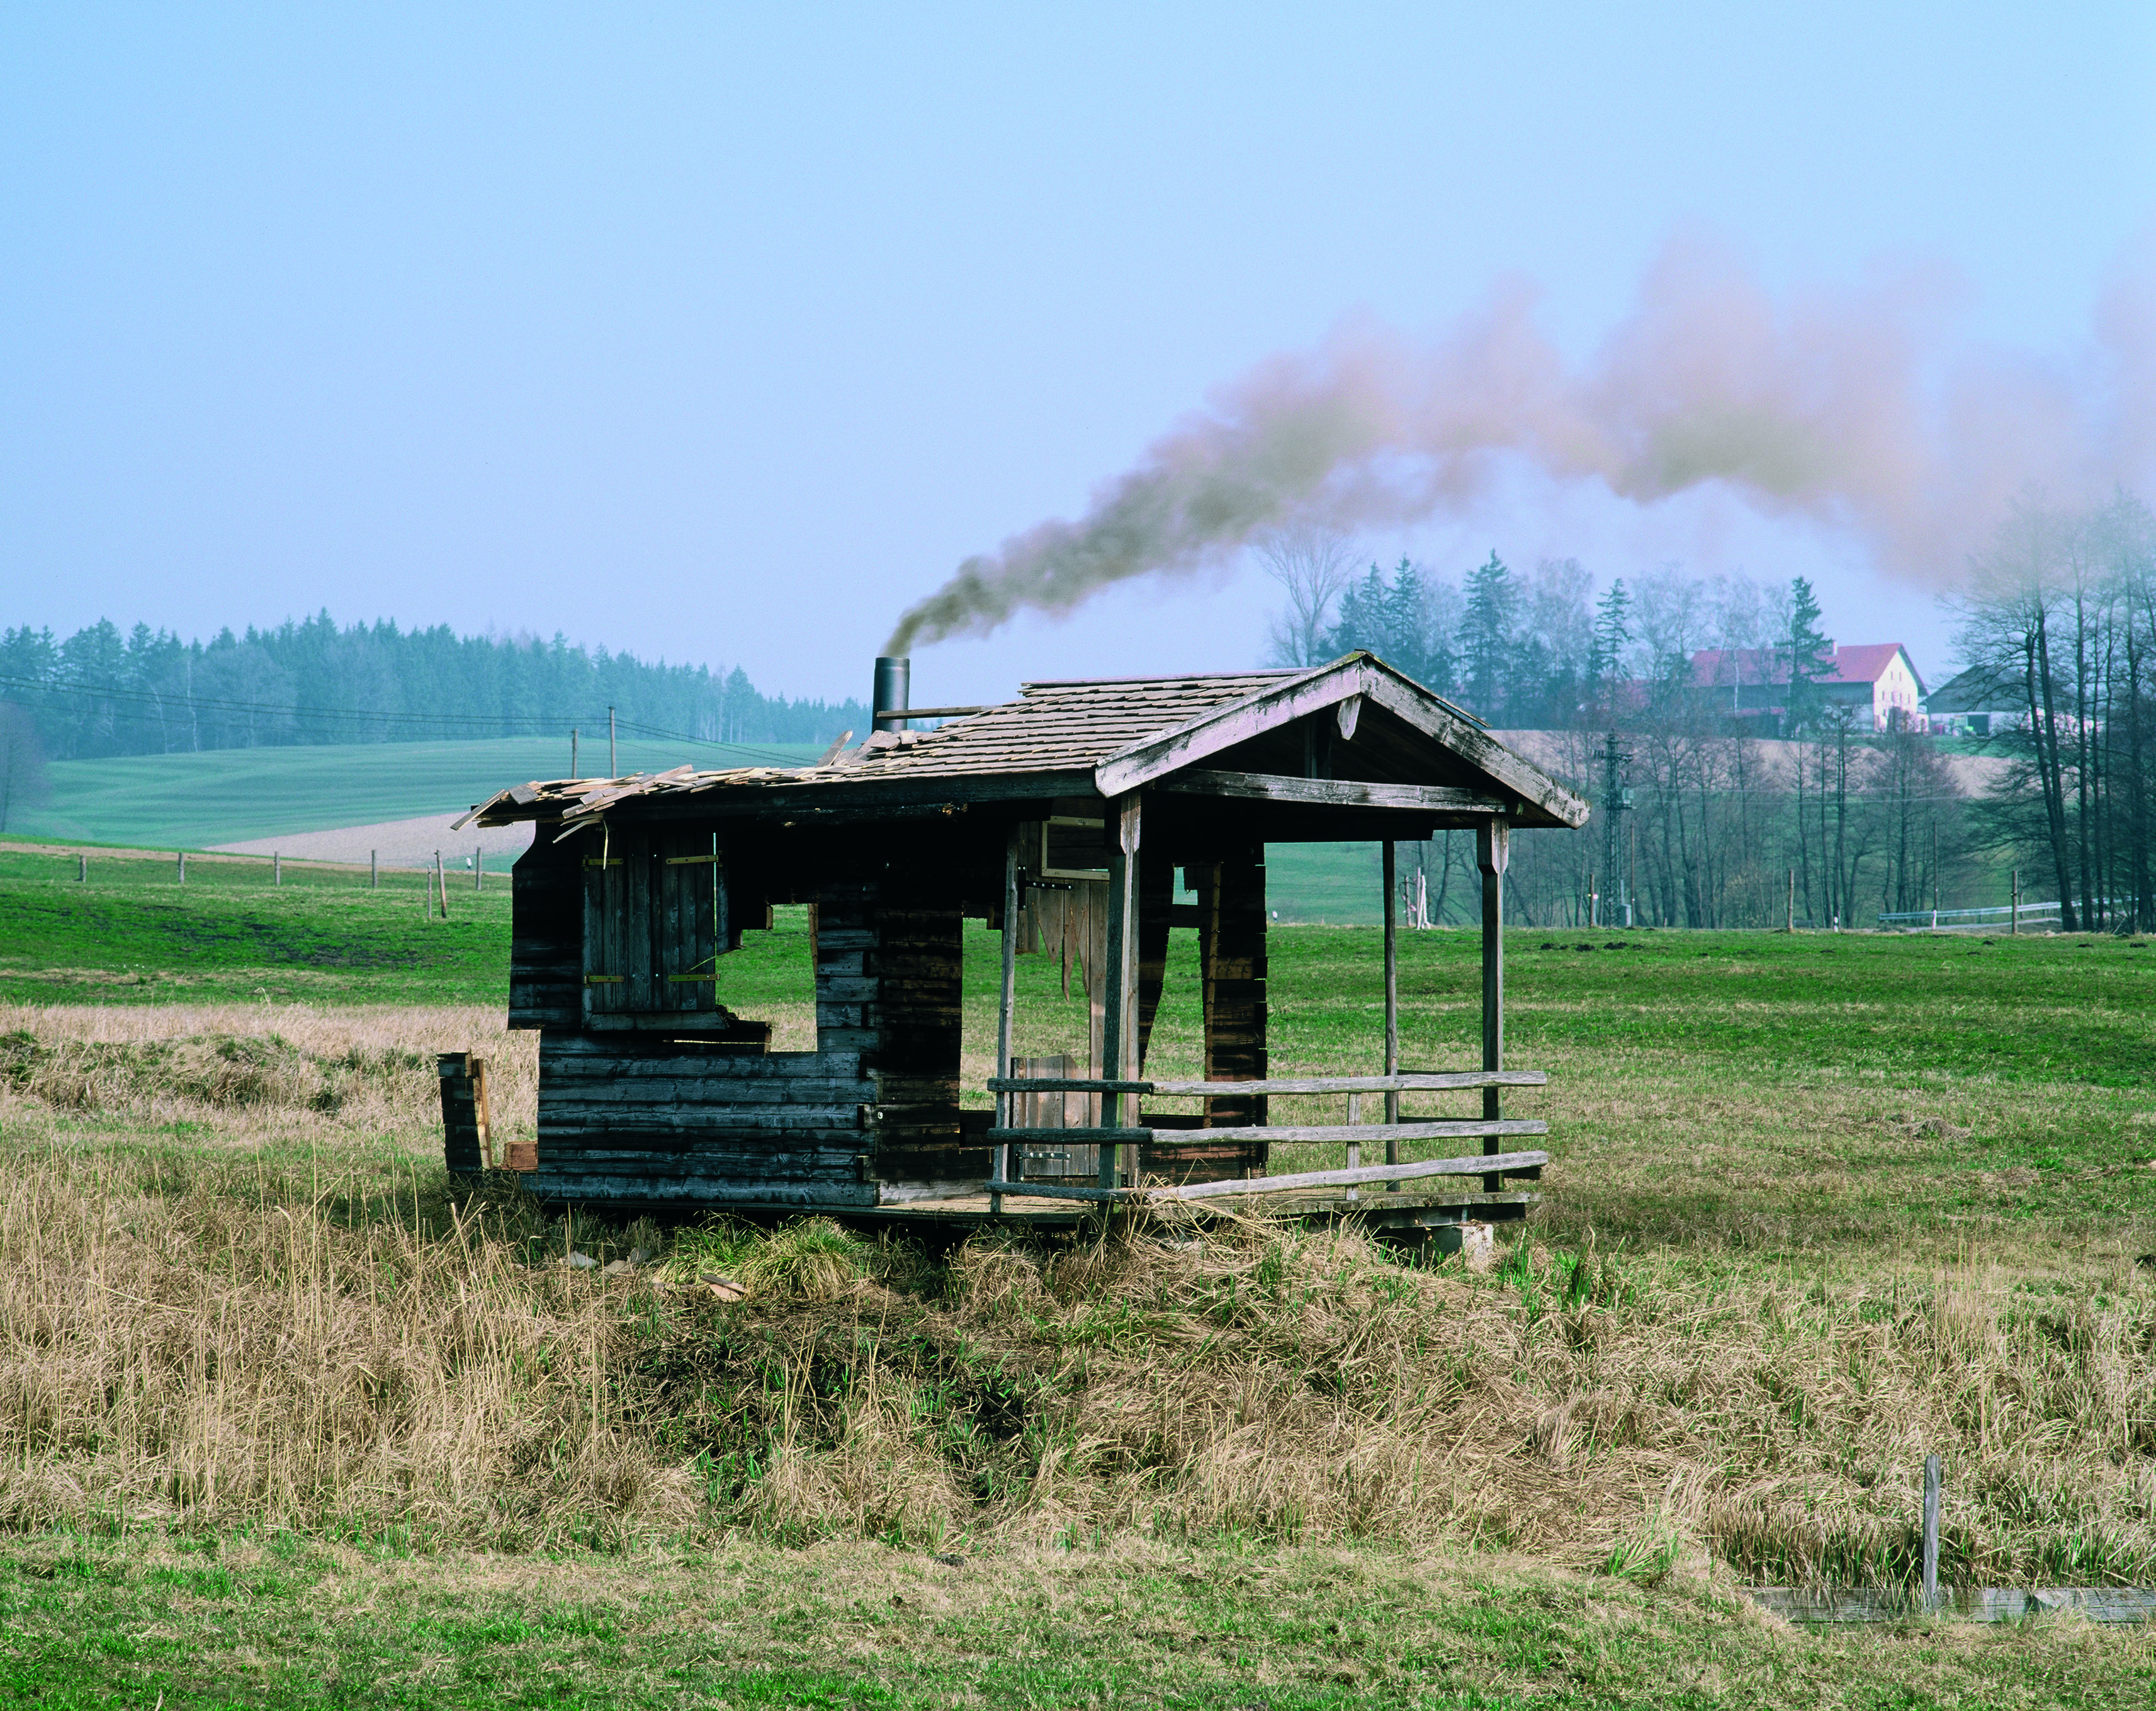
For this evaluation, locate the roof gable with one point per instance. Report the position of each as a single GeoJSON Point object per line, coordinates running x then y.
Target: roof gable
{"type": "Point", "coordinates": [1359, 675]}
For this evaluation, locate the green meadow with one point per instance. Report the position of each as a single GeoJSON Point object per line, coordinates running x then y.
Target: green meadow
{"type": "Point", "coordinates": [232, 796]}
{"type": "Point", "coordinates": [290, 1424]}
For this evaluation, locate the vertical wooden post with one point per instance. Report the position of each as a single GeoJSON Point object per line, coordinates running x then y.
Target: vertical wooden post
{"type": "Point", "coordinates": [82, 867]}
{"type": "Point", "coordinates": [1392, 1004]}
{"type": "Point", "coordinates": [2014, 923]}
{"type": "Point", "coordinates": [1119, 1026]}
{"type": "Point", "coordinates": [183, 867]}
{"type": "Point", "coordinates": [374, 869]}
{"type": "Point", "coordinates": [1006, 1009]}
{"type": "Point", "coordinates": [478, 867]}
{"type": "Point", "coordinates": [1355, 1147]}
{"type": "Point", "coordinates": [441, 885]}
{"type": "Point", "coordinates": [1930, 1532]}
{"type": "Point", "coordinates": [276, 870]}
{"type": "Point", "coordinates": [1590, 900]}
{"type": "Point", "coordinates": [1790, 924]}
{"type": "Point", "coordinates": [1493, 850]}
{"type": "Point", "coordinates": [613, 763]}
{"type": "Point", "coordinates": [1935, 873]}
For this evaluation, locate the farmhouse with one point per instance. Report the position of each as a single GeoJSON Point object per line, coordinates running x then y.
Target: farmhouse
{"type": "Point", "coordinates": [1877, 681]}
{"type": "Point", "coordinates": [1064, 819]}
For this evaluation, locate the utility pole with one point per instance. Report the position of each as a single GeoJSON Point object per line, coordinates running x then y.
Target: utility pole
{"type": "Point", "coordinates": [614, 765]}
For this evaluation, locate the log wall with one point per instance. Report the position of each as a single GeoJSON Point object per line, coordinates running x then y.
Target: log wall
{"type": "Point", "coordinates": [644, 1116]}
{"type": "Point", "coordinates": [546, 944]}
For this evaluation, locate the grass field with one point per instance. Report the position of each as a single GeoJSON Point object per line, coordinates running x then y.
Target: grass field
{"type": "Point", "coordinates": [195, 801]}
{"type": "Point", "coordinates": [133, 934]}
{"type": "Point", "coordinates": [280, 1425]}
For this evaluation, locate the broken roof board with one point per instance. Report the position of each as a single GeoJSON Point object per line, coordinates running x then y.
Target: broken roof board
{"type": "Point", "coordinates": [1108, 737]}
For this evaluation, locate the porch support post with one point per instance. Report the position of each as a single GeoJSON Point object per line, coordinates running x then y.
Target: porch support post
{"type": "Point", "coordinates": [1006, 1010]}
{"type": "Point", "coordinates": [1493, 849]}
{"type": "Point", "coordinates": [1119, 1024]}
{"type": "Point", "coordinates": [1392, 999]}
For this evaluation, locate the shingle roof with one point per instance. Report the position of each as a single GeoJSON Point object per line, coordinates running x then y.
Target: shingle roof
{"type": "Point", "coordinates": [1061, 725]}
{"type": "Point", "coordinates": [1081, 731]}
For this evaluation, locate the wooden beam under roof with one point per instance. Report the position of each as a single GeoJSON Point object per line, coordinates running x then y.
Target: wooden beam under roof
{"type": "Point", "coordinates": [1334, 793]}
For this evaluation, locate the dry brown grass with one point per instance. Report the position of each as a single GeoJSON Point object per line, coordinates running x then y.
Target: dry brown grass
{"type": "Point", "coordinates": [1246, 1378]}
{"type": "Point", "coordinates": [154, 1064]}
{"type": "Point", "coordinates": [276, 1317]}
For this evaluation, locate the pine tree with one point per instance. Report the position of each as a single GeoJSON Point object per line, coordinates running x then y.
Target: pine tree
{"type": "Point", "coordinates": [1362, 623]}
{"type": "Point", "coordinates": [1612, 635]}
{"type": "Point", "coordinates": [1486, 637]}
{"type": "Point", "coordinates": [1407, 622]}
{"type": "Point", "coordinates": [1809, 656]}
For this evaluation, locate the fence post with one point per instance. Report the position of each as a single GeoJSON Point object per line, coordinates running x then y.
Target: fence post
{"type": "Point", "coordinates": [183, 867]}
{"type": "Point", "coordinates": [277, 869]}
{"type": "Point", "coordinates": [1007, 1011]}
{"type": "Point", "coordinates": [478, 867]}
{"type": "Point", "coordinates": [82, 868]}
{"type": "Point", "coordinates": [441, 885]}
{"type": "Point", "coordinates": [1935, 873]}
{"type": "Point", "coordinates": [1791, 925]}
{"type": "Point", "coordinates": [1493, 849]}
{"type": "Point", "coordinates": [2015, 926]}
{"type": "Point", "coordinates": [374, 869]}
{"type": "Point", "coordinates": [1930, 1532]}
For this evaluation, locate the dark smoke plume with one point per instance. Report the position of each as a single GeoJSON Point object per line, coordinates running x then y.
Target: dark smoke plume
{"type": "Point", "coordinates": [1854, 411]}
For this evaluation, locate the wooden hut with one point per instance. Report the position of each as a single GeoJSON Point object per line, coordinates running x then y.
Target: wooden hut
{"type": "Point", "coordinates": [1064, 819]}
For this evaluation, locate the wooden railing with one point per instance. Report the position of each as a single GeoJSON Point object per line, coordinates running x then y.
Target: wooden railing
{"type": "Point", "coordinates": [1490, 1165]}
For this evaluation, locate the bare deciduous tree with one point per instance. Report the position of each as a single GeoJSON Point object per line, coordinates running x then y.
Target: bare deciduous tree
{"type": "Point", "coordinates": [1313, 565]}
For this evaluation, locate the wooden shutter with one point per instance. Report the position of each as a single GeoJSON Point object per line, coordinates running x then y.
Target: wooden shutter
{"type": "Point", "coordinates": [653, 919]}
{"type": "Point", "coordinates": [688, 918]}
{"type": "Point", "coordinates": [617, 925]}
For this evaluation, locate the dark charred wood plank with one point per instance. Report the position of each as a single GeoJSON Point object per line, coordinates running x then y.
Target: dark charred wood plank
{"type": "Point", "coordinates": [546, 942]}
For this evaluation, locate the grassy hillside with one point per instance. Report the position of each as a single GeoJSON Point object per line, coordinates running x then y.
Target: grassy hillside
{"type": "Point", "coordinates": [193, 801]}
{"type": "Point", "coordinates": [133, 934]}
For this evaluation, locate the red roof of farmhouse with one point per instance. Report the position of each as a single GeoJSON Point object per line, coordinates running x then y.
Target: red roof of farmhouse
{"type": "Point", "coordinates": [1865, 662]}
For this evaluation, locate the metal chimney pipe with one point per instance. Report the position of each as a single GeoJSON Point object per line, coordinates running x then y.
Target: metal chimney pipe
{"type": "Point", "coordinates": [894, 682]}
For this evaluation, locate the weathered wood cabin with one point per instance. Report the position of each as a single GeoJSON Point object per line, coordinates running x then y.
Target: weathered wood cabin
{"type": "Point", "coordinates": [1063, 818]}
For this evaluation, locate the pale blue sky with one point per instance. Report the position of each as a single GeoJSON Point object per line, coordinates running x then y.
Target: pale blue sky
{"type": "Point", "coordinates": [718, 334]}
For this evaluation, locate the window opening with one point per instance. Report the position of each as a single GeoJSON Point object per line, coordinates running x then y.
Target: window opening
{"type": "Point", "coordinates": [770, 979]}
